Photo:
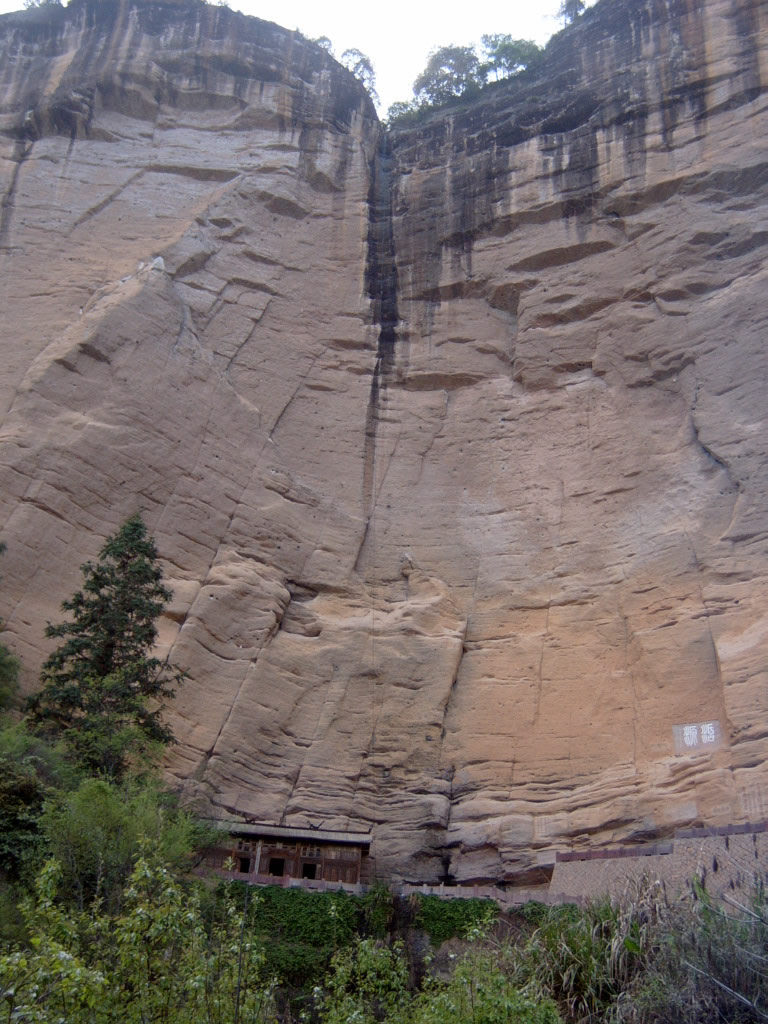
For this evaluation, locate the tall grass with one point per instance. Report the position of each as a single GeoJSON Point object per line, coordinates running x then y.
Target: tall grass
{"type": "Point", "coordinates": [587, 958]}
{"type": "Point", "coordinates": [708, 965]}
{"type": "Point", "coordinates": [649, 960]}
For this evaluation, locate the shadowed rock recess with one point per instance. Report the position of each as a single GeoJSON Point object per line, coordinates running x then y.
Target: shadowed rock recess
{"type": "Point", "coordinates": [452, 439]}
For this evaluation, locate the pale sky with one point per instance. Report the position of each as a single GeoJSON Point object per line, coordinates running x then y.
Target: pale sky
{"type": "Point", "coordinates": [398, 35]}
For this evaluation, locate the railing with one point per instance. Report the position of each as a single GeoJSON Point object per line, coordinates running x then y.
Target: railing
{"type": "Point", "coordinates": [288, 882]}
{"type": "Point", "coordinates": [508, 897]}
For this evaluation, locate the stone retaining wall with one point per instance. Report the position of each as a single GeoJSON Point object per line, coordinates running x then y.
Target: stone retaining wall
{"type": "Point", "coordinates": [727, 860]}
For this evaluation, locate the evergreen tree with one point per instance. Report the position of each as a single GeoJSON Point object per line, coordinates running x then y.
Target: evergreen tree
{"type": "Point", "coordinates": [103, 692]}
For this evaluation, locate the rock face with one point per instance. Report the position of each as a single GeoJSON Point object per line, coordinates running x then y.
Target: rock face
{"type": "Point", "coordinates": [452, 439]}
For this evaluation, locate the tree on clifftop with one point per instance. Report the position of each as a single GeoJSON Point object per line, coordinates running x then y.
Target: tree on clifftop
{"type": "Point", "coordinates": [571, 9]}
{"type": "Point", "coordinates": [506, 56]}
{"type": "Point", "coordinates": [102, 691]}
{"type": "Point", "coordinates": [451, 72]}
{"type": "Point", "coordinates": [361, 67]}
{"type": "Point", "coordinates": [324, 43]}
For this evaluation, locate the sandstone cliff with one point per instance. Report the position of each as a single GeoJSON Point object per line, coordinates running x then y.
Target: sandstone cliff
{"type": "Point", "coordinates": [452, 439]}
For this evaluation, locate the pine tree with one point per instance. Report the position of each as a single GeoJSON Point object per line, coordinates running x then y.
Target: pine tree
{"type": "Point", "coordinates": [103, 692]}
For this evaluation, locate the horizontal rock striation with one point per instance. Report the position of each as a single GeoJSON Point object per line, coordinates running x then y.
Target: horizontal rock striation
{"type": "Point", "coordinates": [452, 438]}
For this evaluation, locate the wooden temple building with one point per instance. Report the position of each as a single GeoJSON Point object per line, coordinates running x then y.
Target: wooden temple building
{"type": "Point", "coordinates": [280, 855]}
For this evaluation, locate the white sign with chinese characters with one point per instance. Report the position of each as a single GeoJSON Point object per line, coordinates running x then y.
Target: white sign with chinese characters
{"type": "Point", "coordinates": [697, 737]}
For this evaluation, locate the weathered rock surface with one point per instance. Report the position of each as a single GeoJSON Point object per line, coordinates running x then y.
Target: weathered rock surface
{"type": "Point", "coordinates": [453, 440]}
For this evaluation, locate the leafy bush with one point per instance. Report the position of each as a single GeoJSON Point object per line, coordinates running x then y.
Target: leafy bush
{"type": "Point", "coordinates": [30, 769]}
{"type": "Point", "coordinates": [155, 962]}
{"type": "Point", "coordinates": [367, 982]}
{"type": "Point", "coordinates": [405, 113]}
{"type": "Point", "coordinates": [480, 992]}
{"type": "Point", "coordinates": [303, 930]}
{"type": "Point", "coordinates": [378, 910]}
{"type": "Point", "coordinates": [96, 832]}
{"type": "Point", "coordinates": [443, 919]}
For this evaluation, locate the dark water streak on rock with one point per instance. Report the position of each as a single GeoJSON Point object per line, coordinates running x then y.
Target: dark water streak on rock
{"type": "Point", "coordinates": [381, 286]}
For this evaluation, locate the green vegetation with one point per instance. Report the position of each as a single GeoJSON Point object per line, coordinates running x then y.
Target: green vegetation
{"type": "Point", "coordinates": [481, 992]}
{"type": "Point", "coordinates": [367, 982]}
{"type": "Point", "coordinates": [571, 9]}
{"type": "Point", "coordinates": [458, 72]}
{"type": "Point", "coordinates": [583, 959]}
{"type": "Point", "coordinates": [703, 962]}
{"type": "Point", "coordinates": [159, 959]}
{"type": "Point", "coordinates": [442, 919]}
{"type": "Point", "coordinates": [304, 930]}
{"type": "Point", "coordinates": [361, 67]}
{"type": "Point", "coordinates": [451, 72]}
{"type": "Point", "coordinates": [9, 671]}
{"type": "Point", "coordinates": [95, 833]}
{"type": "Point", "coordinates": [171, 952]}
{"type": "Point", "coordinates": [103, 693]}
{"type": "Point", "coordinates": [9, 674]}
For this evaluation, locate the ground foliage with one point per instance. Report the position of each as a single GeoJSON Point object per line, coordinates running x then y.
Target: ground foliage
{"type": "Point", "coordinates": [9, 675]}
{"type": "Point", "coordinates": [154, 962]}
{"type": "Point", "coordinates": [443, 919]}
{"type": "Point", "coordinates": [706, 962]}
{"type": "Point", "coordinates": [9, 670]}
{"type": "Point", "coordinates": [479, 991]}
{"type": "Point", "coordinates": [584, 959]}
{"type": "Point", "coordinates": [95, 833]}
{"type": "Point", "coordinates": [303, 930]}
